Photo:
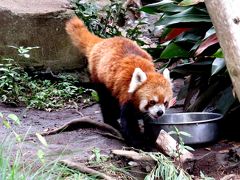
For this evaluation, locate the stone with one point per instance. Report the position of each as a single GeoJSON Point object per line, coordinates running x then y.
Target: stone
{"type": "Point", "coordinates": [39, 23]}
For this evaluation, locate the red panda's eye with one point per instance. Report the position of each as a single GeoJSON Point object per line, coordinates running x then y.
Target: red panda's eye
{"type": "Point", "coordinates": [152, 103]}
{"type": "Point", "coordinates": [166, 104]}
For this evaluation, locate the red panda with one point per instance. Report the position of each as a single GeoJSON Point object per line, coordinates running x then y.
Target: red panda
{"type": "Point", "coordinates": [126, 81]}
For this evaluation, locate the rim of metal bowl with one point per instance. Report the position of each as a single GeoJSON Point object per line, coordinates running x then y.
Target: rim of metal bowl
{"type": "Point", "coordinates": [220, 116]}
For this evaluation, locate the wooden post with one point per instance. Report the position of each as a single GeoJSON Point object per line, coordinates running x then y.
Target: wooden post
{"type": "Point", "coordinates": [225, 16]}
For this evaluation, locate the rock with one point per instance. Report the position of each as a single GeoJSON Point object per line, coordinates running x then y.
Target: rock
{"type": "Point", "coordinates": [39, 23]}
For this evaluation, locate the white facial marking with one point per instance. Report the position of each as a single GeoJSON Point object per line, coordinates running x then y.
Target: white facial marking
{"type": "Point", "coordinates": [138, 78]}
{"type": "Point", "coordinates": [143, 104]}
{"type": "Point", "coordinates": [154, 109]}
{"type": "Point", "coordinates": [155, 98]}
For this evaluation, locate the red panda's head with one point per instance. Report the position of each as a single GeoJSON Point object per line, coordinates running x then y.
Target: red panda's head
{"type": "Point", "coordinates": [151, 92]}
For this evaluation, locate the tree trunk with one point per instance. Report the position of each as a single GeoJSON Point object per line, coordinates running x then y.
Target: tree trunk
{"type": "Point", "coordinates": [225, 15]}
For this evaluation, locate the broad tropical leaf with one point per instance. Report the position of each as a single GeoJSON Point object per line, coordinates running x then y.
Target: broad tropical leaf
{"type": "Point", "coordinates": [201, 68]}
{"type": "Point", "coordinates": [187, 18]}
{"type": "Point", "coordinates": [189, 2]}
{"type": "Point", "coordinates": [211, 40]}
{"type": "Point", "coordinates": [210, 32]}
{"type": "Point", "coordinates": [173, 33]}
{"type": "Point", "coordinates": [217, 65]}
{"type": "Point", "coordinates": [225, 101]}
{"type": "Point", "coordinates": [173, 50]}
{"type": "Point", "coordinates": [218, 54]}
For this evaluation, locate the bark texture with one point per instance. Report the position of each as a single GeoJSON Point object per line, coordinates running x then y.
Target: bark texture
{"type": "Point", "coordinates": [225, 15]}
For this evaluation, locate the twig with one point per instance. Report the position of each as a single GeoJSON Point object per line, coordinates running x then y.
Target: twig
{"type": "Point", "coordinates": [77, 109]}
{"type": "Point", "coordinates": [80, 113]}
{"type": "Point", "coordinates": [84, 169]}
{"type": "Point", "coordinates": [80, 123]}
{"type": "Point", "coordinates": [132, 155]}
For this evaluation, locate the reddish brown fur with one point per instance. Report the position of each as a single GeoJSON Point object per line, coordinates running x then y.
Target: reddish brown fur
{"type": "Point", "coordinates": [112, 62]}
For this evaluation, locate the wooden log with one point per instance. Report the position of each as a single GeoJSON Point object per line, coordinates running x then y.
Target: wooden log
{"type": "Point", "coordinates": [169, 145]}
{"type": "Point", "coordinates": [225, 16]}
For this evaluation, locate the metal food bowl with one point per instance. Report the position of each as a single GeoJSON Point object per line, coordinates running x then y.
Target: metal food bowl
{"type": "Point", "coordinates": [202, 126]}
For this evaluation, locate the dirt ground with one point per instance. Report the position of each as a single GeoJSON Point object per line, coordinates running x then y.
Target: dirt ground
{"type": "Point", "coordinates": [215, 160]}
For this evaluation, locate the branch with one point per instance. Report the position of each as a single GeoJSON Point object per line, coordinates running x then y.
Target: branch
{"type": "Point", "coordinates": [84, 169]}
{"type": "Point", "coordinates": [81, 123]}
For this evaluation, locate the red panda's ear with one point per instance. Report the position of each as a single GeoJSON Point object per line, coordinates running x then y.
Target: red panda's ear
{"type": "Point", "coordinates": [166, 74]}
{"type": "Point", "coordinates": [138, 77]}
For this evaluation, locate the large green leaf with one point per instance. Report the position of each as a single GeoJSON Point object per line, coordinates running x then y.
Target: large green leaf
{"type": "Point", "coordinates": [225, 101]}
{"type": "Point", "coordinates": [210, 32]}
{"type": "Point", "coordinates": [165, 6]}
{"type": "Point", "coordinates": [149, 10]}
{"type": "Point", "coordinates": [171, 8]}
{"type": "Point", "coordinates": [218, 53]}
{"type": "Point", "coordinates": [173, 50]}
{"type": "Point", "coordinates": [192, 36]}
{"type": "Point", "coordinates": [200, 68]}
{"type": "Point", "coordinates": [186, 18]}
{"type": "Point", "coordinates": [190, 2]}
{"type": "Point", "coordinates": [157, 4]}
{"type": "Point", "coordinates": [205, 44]}
{"type": "Point", "coordinates": [183, 43]}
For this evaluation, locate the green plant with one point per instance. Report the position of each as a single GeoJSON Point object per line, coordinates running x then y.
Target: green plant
{"type": "Point", "coordinates": [165, 169]}
{"type": "Point", "coordinates": [97, 157]}
{"type": "Point", "coordinates": [12, 167]}
{"type": "Point", "coordinates": [7, 120]}
{"type": "Point", "coordinates": [103, 22]}
{"type": "Point", "coordinates": [13, 163]}
{"type": "Point", "coordinates": [24, 51]}
{"type": "Point", "coordinates": [17, 87]}
{"type": "Point", "coordinates": [181, 144]}
{"type": "Point", "coordinates": [103, 163]}
{"type": "Point", "coordinates": [107, 22]}
{"type": "Point", "coordinates": [12, 82]}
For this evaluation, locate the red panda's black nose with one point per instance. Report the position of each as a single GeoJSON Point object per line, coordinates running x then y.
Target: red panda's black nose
{"type": "Point", "coordinates": [159, 113]}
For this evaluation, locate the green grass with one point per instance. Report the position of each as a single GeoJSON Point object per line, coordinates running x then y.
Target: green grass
{"type": "Point", "coordinates": [17, 164]}
{"type": "Point", "coordinates": [14, 167]}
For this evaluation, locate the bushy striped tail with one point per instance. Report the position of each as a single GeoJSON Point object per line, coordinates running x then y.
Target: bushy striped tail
{"type": "Point", "coordinates": [81, 37]}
